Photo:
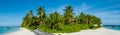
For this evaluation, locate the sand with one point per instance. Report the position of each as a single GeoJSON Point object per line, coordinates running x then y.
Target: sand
{"type": "Point", "coordinates": [22, 31]}
{"type": "Point", "coordinates": [100, 31]}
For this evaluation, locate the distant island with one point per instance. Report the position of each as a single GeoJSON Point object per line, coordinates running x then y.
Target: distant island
{"type": "Point", "coordinates": [60, 23]}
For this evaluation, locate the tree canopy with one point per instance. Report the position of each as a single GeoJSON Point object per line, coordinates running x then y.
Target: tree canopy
{"type": "Point", "coordinates": [64, 23]}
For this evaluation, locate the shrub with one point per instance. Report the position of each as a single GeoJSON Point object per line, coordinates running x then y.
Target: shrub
{"type": "Point", "coordinates": [84, 26]}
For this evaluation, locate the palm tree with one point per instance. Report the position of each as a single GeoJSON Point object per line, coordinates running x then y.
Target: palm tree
{"type": "Point", "coordinates": [41, 16]}
{"type": "Point", "coordinates": [25, 21]}
{"type": "Point", "coordinates": [55, 21]}
{"type": "Point", "coordinates": [68, 15]}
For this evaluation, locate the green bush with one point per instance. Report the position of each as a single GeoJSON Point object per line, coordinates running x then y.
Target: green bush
{"type": "Point", "coordinates": [66, 29]}
{"type": "Point", "coordinates": [71, 28]}
{"type": "Point", "coordinates": [31, 28]}
{"type": "Point", "coordinates": [84, 26]}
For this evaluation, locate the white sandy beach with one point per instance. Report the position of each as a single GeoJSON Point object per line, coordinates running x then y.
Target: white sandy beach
{"type": "Point", "coordinates": [100, 31]}
{"type": "Point", "coordinates": [22, 31]}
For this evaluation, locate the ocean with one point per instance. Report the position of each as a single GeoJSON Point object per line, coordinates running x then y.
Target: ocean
{"type": "Point", "coordinates": [113, 27]}
{"type": "Point", "coordinates": [8, 29]}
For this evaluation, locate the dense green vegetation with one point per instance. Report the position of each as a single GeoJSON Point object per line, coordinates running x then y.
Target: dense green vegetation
{"type": "Point", "coordinates": [65, 23]}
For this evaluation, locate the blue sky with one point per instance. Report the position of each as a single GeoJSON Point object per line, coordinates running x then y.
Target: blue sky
{"type": "Point", "coordinates": [12, 11]}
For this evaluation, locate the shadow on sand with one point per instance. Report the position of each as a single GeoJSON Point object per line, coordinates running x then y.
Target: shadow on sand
{"type": "Point", "coordinates": [38, 32]}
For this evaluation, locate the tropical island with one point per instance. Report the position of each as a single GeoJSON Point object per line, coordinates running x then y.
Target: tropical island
{"type": "Point", "coordinates": [60, 17]}
{"type": "Point", "coordinates": [67, 22]}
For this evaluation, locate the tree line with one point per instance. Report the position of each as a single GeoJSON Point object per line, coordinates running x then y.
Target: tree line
{"type": "Point", "coordinates": [55, 22]}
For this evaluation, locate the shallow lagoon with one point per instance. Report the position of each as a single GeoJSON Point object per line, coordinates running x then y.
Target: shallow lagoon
{"type": "Point", "coordinates": [8, 29]}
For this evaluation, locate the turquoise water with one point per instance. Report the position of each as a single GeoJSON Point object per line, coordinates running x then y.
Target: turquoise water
{"type": "Point", "coordinates": [8, 29]}
{"type": "Point", "coordinates": [113, 27]}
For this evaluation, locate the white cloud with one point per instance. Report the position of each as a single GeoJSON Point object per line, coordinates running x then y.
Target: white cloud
{"type": "Point", "coordinates": [103, 8]}
{"type": "Point", "coordinates": [109, 17]}
{"type": "Point", "coordinates": [82, 8]}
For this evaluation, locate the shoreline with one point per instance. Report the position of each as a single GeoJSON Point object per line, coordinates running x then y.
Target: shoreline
{"type": "Point", "coordinates": [99, 31]}
{"type": "Point", "coordinates": [22, 31]}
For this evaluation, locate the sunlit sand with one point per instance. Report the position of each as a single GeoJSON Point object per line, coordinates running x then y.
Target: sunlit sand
{"type": "Point", "coordinates": [22, 31]}
{"type": "Point", "coordinates": [100, 31]}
